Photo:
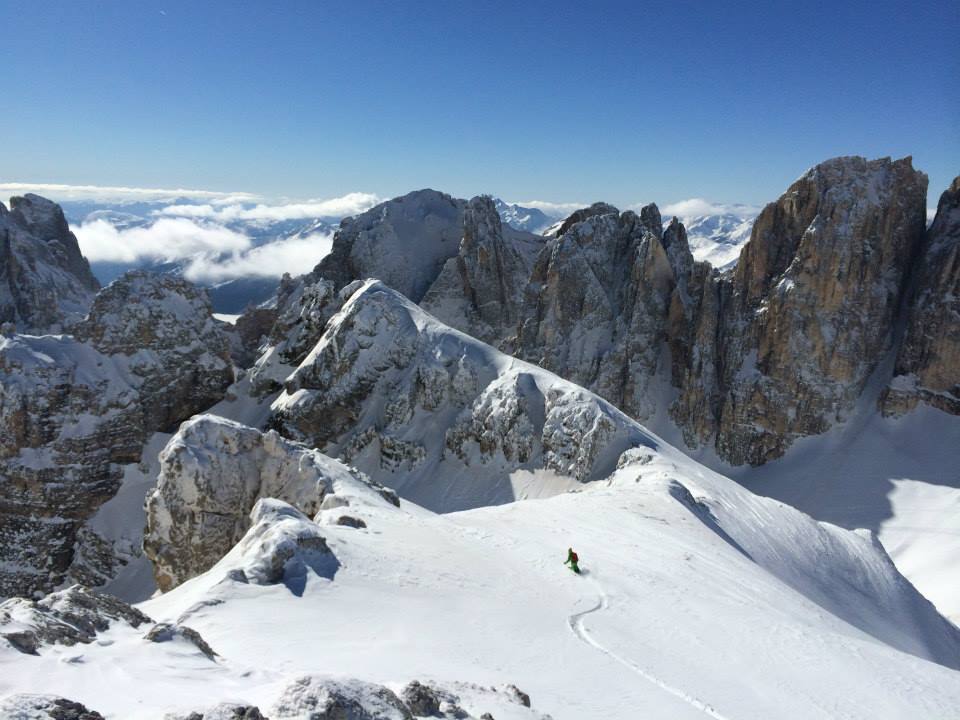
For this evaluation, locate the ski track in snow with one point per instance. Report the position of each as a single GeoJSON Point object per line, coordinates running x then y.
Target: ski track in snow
{"type": "Point", "coordinates": [578, 627]}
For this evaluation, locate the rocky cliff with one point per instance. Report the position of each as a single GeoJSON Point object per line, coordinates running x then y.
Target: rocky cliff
{"type": "Point", "coordinates": [73, 409]}
{"type": "Point", "coordinates": [928, 362]}
{"type": "Point", "coordinates": [213, 472]}
{"type": "Point", "coordinates": [45, 282]}
{"type": "Point", "coordinates": [446, 420]}
{"type": "Point", "coordinates": [809, 311]}
{"type": "Point", "coordinates": [748, 360]}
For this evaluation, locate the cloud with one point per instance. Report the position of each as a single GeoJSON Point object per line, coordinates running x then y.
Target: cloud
{"type": "Point", "coordinates": [695, 207]}
{"type": "Point", "coordinates": [559, 210]}
{"type": "Point", "coordinates": [349, 204]}
{"type": "Point", "coordinates": [931, 214]}
{"type": "Point", "coordinates": [208, 251]}
{"type": "Point", "coordinates": [294, 255]}
{"type": "Point", "coordinates": [167, 239]}
{"type": "Point", "coordinates": [111, 194]}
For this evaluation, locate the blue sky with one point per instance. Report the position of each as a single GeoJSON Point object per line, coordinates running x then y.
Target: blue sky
{"type": "Point", "coordinates": [557, 101]}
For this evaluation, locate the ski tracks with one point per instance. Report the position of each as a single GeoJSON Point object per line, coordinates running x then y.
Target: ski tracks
{"type": "Point", "coordinates": [578, 627]}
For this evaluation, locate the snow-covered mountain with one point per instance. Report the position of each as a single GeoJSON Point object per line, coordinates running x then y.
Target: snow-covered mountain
{"type": "Point", "coordinates": [525, 218]}
{"type": "Point", "coordinates": [717, 239]}
{"type": "Point", "coordinates": [272, 246]}
{"type": "Point", "coordinates": [380, 504]}
{"type": "Point", "coordinates": [45, 282]}
{"type": "Point", "coordinates": [688, 578]}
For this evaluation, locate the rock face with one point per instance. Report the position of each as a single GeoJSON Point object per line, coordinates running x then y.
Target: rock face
{"type": "Point", "coordinates": [44, 707]}
{"type": "Point", "coordinates": [779, 347]}
{"type": "Point", "coordinates": [404, 242]}
{"type": "Point", "coordinates": [45, 282]}
{"type": "Point", "coordinates": [809, 310]}
{"type": "Point", "coordinates": [74, 409]}
{"type": "Point", "coordinates": [164, 324]}
{"type": "Point", "coordinates": [413, 404]}
{"type": "Point", "coordinates": [212, 473]}
{"type": "Point", "coordinates": [323, 698]}
{"type": "Point", "coordinates": [68, 617]}
{"type": "Point", "coordinates": [928, 363]}
{"type": "Point", "coordinates": [480, 290]}
{"type": "Point", "coordinates": [304, 309]}
{"type": "Point", "coordinates": [599, 303]}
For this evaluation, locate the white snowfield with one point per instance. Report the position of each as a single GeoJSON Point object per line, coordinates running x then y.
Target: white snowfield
{"type": "Point", "coordinates": [697, 598]}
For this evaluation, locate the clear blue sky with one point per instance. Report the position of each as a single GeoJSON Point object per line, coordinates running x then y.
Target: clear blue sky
{"type": "Point", "coordinates": [562, 101]}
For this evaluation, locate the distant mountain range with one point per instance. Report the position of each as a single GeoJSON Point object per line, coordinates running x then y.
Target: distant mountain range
{"type": "Point", "coordinates": [275, 246]}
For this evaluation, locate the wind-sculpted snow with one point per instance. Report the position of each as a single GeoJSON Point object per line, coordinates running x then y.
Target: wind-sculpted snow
{"type": "Point", "coordinates": [212, 474]}
{"type": "Point", "coordinates": [73, 410]}
{"type": "Point", "coordinates": [446, 420]}
{"type": "Point", "coordinates": [45, 282]}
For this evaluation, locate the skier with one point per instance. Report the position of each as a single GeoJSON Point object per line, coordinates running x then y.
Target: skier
{"type": "Point", "coordinates": [572, 559]}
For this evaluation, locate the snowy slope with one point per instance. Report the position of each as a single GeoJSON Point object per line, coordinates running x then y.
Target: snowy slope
{"type": "Point", "coordinates": [898, 477]}
{"type": "Point", "coordinates": [446, 420]}
{"type": "Point", "coordinates": [698, 600]}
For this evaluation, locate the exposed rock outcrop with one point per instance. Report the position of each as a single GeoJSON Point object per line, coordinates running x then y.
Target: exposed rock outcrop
{"type": "Point", "coordinates": [45, 282]}
{"type": "Point", "coordinates": [404, 242]}
{"type": "Point", "coordinates": [67, 617]}
{"type": "Point", "coordinates": [23, 706]}
{"type": "Point", "coordinates": [599, 303]}
{"type": "Point", "coordinates": [480, 290]}
{"type": "Point", "coordinates": [212, 473]}
{"type": "Point", "coordinates": [221, 711]}
{"type": "Point", "coordinates": [809, 311]}
{"type": "Point", "coordinates": [168, 632]}
{"type": "Point", "coordinates": [324, 698]}
{"type": "Point", "coordinates": [928, 362]}
{"type": "Point", "coordinates": [74, 409]}
{"type": "Point", "coordinates": [165, 326]}
{"type": "Point", "coordinates": [412, 402]}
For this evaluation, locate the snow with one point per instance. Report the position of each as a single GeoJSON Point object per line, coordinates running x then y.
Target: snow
{"type": "Point", "coordinates": [121, 520]}
{"type": "Point", "coordinates": [730, 611]}
{"type": "Point", "coordinates": [718, 238]}
{"type": "Point", "coordinates": [898, 477]}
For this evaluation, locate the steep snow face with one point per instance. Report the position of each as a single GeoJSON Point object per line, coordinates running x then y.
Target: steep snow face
{"type": "Point", "coordinates": [74, 410]}
{"type": "Point", "coordinates": [45, 282]}
{"type": "Point", "coordinates": [403, 242]}
{"type": "Point", "coordinates": [212, 472]}
{"type": "Point", "coordinates": [446, 420]}
{"type": "Point", "coordinates": [697, 599]}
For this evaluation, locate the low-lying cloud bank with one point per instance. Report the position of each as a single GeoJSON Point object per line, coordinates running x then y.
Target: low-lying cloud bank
{"type": "Point", "coordinates": [119, 194]}
{"type": "Point", "coordinates": [207, 232]}
{"type": "Point", "coordinates": [698, 207]}
{"type": "Point", "coordinates": [209, 252]}
{"type": "Point", "coordinates": [350, 204]}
